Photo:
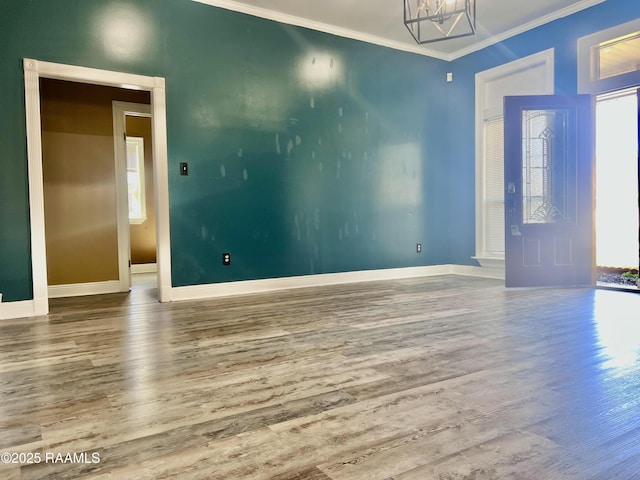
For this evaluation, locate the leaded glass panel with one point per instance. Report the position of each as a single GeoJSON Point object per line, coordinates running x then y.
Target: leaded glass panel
{"type": "Point", "coordinates": [544, 167]}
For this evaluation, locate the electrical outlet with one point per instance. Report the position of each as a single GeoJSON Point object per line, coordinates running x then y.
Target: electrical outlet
{"type": "Point", "coordinates": [418, 247]}
{"type": "Point", "coordinates": [226, 258]}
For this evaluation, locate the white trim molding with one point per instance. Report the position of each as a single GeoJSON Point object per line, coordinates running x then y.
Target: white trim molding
{"type": "Point", "coordinates": [11, 310]}
{"type": "Point", "coordinates": [323, 27]}
{"type": "Point", "coordinates": [538, 22]}
{"type": "Point", "coordinates": [144, 268]}
{"type": "Point", "coordinates": [36, 187]}
{"type": "Point", "coordinates": [81, 289]}
{"type": "Point", "coordinates": [490, 88]}
{"type": "Point", "coordinates": [385, 42]}
{"type": "Point", "coordinates": [480, 272]}
{"type": "Point", "coordinates": [33, 71]}
{"type": "Point", "coordinates": [491, 262]}
{"type": "Point", "coordinates": [119, 111]}
{"type": "Point", "coordinates": [200, 292]}
{"type": "Point", "coordinates": [217, 290]}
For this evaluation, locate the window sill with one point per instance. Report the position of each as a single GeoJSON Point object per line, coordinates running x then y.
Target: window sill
{"type": "Point", "coordinates": [490, 262]}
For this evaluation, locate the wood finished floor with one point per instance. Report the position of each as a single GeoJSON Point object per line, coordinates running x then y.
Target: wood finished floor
{"type": "Point", "coordinates": [432, 378]}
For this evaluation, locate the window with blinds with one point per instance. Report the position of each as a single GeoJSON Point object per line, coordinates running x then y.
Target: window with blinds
{"type": "Point", "coordinates": [532, 75]}
{"type": "Point", "coordinates": [493, 187]}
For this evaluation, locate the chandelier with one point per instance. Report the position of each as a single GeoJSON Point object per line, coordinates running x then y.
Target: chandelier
{"type": "Point", "coordinates": [435, 20]}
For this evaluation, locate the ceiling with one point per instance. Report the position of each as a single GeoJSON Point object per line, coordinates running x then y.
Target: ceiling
{"type": "Point", "coordinates": [381, 21]}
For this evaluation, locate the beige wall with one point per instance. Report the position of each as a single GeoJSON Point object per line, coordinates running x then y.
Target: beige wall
{"type": "Point", "coordinates": [79, 180]}
{"type": "Point", "coordinates": [143, 236]}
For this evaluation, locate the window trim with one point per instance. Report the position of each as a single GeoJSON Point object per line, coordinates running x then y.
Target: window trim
{"type": "Point", "coordinates": [484, 112]}
{"type": "Point", "coordinates": [586, 63]}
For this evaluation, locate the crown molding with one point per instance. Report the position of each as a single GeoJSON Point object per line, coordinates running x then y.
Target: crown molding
{"type": "Point", "coordinates": [322, 27]}
{"type": "Point", "coordinates": [376, 40]}
{"type": "Point", "coordinates": [564, 12]}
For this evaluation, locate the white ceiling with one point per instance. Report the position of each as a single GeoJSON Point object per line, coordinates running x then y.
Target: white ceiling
{"type": "Point", "coordinates": [381, 21]}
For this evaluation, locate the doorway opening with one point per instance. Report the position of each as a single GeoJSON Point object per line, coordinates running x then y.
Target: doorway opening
{"type": "Point", "coordinates": [141, 206]}
{"type": "Point", "coordinates": [34, 70]}
{"type": "Point", "coordinates": [137, 245]}
{"type": "Point", "coordinates": [82, 174]}
{"type": "Point", "coordinates": [617, 189]}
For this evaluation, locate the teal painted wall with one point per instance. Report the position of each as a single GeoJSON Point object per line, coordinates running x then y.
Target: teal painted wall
{"type": "Point", "coordinates": [308, 153]}
{"type": "Point", "coordinates": [562, 35]}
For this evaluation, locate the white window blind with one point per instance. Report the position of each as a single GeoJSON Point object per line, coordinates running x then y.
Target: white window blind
{"type": "Point", "coordinates": [494, 189]}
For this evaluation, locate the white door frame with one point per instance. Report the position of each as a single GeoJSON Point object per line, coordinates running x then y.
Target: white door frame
{"type": "Point", "coordinates": [33, 71]}
{"type": "Point", "coordinates": [120, 111]}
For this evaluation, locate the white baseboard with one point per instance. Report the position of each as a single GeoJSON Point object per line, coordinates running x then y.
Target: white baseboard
{"type": "Point", "coordinates": [214, 290]}
{"type": "Point", "coordinates": [16, 309]}
{"type": "Point", "coordinates": [80, 289]}
{"type": "Point", "coordinates": [197, 292]}
{"type": "Point", "coordinates": [483, 272]}
{"type": "Point", "coordinates": [144, 268]}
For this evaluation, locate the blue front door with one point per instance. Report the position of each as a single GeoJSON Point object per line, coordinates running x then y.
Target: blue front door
{"type": "Point", "coordinates": [548, 166]}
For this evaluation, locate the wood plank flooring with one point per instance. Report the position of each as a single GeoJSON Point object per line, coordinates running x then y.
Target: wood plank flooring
{"type": "Point", "coordinates": [433, 378]}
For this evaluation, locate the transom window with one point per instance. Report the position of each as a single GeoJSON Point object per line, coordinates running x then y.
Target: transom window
{"type": "Point", "coordinates": [616, 57]}
{"type": "Point", "coordinates": [609, 60]}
